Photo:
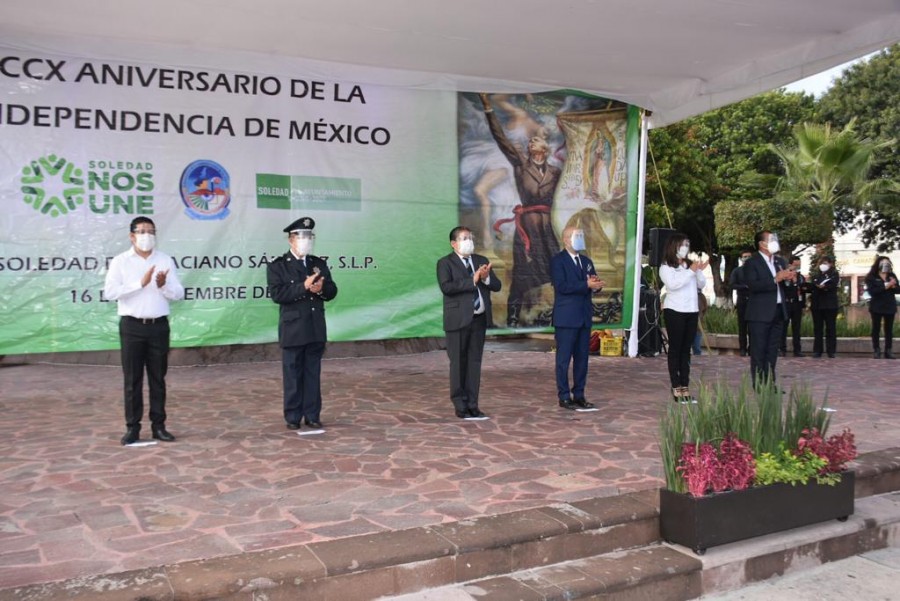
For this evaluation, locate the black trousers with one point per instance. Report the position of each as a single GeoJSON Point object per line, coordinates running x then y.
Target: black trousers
{"type": "Point", "coordinates": [765, 337]}
{"type": "Point", "coordinates": [465, 348]}
{"type": "Point", "coordinates": [824, 327]}
{"type": "Point", "coordinates": [145, 345]}
{"type": "Point", "coordinates": [795, 317]}
{"type": "Point", "coordinates": [681, 329]}
{"type": "Point", "coordinates": [743, 331]}
{"type": "Point", "coordinates": [888, 320]}
{"type": "Point", "coordinates": [301, 371]}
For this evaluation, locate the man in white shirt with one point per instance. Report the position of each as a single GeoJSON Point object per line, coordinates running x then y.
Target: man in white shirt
{"type": "Point", "coordinates": [143, 281]}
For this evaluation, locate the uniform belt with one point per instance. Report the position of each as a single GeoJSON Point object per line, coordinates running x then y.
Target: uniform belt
{"type": "Point", "coordinates": [146, 320]}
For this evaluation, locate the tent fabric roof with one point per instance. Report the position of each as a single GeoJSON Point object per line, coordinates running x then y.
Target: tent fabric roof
{"type": "Point", "coordinates": [676, 58]}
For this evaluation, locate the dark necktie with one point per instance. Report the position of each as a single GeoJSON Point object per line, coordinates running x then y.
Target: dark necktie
{"type": "Point", "coordinates": [578, 264]}
{"type": "Point", "coordinates": [477, 299]}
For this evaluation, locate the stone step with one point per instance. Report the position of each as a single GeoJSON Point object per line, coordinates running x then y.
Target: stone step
{"type": "Point", "coordinates": [607, 547]}
{"type": "Point", "coordinates": [662, 572]}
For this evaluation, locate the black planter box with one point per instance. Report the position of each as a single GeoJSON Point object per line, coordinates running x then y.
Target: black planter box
{"type": "Point", "coordinates": [700, 523]}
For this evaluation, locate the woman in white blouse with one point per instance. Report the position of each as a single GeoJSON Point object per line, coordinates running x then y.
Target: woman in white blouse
{"type": "Point", "coordinates": [682, 278]}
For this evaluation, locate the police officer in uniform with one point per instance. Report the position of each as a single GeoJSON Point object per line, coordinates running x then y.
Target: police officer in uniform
{"type": "Point", "coordinates": [301, 283]}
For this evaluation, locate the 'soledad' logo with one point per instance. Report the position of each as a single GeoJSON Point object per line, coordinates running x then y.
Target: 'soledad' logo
{"type": "Point", "coordinates": [55, 186]}
{"type": "Point", "coordinates": [52, 185]}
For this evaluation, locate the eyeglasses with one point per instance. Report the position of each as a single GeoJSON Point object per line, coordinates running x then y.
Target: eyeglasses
{"type": "Point", "coordinates": [304, 234]}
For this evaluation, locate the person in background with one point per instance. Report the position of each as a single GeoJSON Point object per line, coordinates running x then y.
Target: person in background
{"type": "Point", "coordinates": [795, 297]}
{"type": "Point", "coordinates": [824, 305]}
{"type": "Point", "coordinates": [683, 279]}
{"type": "Point", "coordinates": [574, 282]}
{"type": "Point", "coordinates": [765, 274]}
{"type": "Point", "coordinates": [300, 283]}
{"type": "Point", "coordinates": [466, 281]}
{"type": "Point", "coordinates": [143, 280]}
{"type": "Point", "coordinates": [881, 284]}
{"type": "Point", "coordinates": [702, 305]}
{"type": "Point", "coordinates": [743, 295]}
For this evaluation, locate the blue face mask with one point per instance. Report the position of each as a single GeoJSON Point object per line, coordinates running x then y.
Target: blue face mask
{"type": "Point", "coordinates": [578, 242]}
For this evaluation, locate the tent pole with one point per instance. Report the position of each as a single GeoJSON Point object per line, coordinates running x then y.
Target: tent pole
{"type": "Point", "coordinates": [639, 237]}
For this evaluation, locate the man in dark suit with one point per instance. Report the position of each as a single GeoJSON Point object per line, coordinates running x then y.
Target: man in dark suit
{"type": "Point", "coordinates": [574, 281]}
{"type": "Point", "coordinates": [466, 280]}
{"type": "Point", "coordinates": [300, 283]}
{"type": "Point", "coordinates": [764, 274]}
{"type": "Point", "coordinates": [743, 295]}
{"type": "Point", "coordinates": [795, 297]}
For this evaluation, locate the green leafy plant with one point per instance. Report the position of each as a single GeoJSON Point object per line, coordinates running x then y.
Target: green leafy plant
{"type": "Point", "coordinates": [792, 468]}
{"type": "Point", "coordinates": [785, 434]}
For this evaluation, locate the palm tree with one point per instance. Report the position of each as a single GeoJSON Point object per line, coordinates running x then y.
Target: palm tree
{"type": "Point", "coordinates": [832, 167]}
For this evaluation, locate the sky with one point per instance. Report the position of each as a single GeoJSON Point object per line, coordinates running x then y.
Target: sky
{"type": "Point", "coordinates": [818, 84]}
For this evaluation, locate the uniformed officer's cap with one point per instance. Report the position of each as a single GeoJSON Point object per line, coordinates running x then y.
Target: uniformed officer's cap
{"type": "Point", "coordinates": [304, 223]}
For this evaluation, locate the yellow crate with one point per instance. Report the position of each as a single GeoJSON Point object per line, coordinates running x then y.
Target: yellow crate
{"type": "Point", "coordinates": [611, 346]}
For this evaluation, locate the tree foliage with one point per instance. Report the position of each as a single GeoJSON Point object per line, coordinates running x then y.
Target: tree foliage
{"type": "Point", "coordinates": [797, 221]}
{"type": "Point", "coordinates": [703, 160]}
{"type": "Point", "coordinates": [868, 92]}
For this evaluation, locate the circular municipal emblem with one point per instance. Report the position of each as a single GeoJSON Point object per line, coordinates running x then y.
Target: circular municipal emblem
{"type": "Point", "coordinates": [52, 185]}
{"type": "Point", "coordinates": [205, 190]}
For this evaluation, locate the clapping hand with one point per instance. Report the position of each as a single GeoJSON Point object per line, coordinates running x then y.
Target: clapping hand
{"type": "Point", "coordinates": [161, 278]}
{"type": "Point", "coordinates": [482, 273]}
{"type": "Point", "coordinates": [148, 276]}
{"type": "Point", "coordinates": [595, 283]}
{"type": "Point", "coordinates": [699, 265]}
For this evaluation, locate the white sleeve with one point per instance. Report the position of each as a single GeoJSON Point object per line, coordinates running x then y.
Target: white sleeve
{"type": "Point", "coordinates": [117, 285]}
{"type": "Point", "coordinates": [675, 279]}
{"type": "Point", "coordinates": [173, 290]}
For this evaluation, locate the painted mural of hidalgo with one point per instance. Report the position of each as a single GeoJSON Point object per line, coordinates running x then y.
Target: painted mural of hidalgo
{"type": "Point", "coordinates": [535, 241]}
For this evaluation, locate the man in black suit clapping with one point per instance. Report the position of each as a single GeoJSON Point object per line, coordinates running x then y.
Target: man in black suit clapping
{"type": "Point", "coordinates": [764, 274]}
{"type": "Point", "coordinates": [466, 280]}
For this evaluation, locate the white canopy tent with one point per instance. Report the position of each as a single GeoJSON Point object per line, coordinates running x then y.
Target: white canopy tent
{"type": "Point", "coordinates": [675, 58]}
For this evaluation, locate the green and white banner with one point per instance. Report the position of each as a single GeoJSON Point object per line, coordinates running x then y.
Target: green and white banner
{"type": "Point", "coordinates": [222, 159]}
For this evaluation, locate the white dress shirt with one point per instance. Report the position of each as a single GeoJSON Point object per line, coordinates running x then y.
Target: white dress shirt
{"type": "Point", "coordinates": [123, 284]}
{"type": "Point", "coordinates": [467, 261]}
{"type": "Point", "coordinates": [682, 285]}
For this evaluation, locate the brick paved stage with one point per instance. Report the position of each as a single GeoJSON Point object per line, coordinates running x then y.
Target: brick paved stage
{"type": "Point", "coordinates": [75, 503]}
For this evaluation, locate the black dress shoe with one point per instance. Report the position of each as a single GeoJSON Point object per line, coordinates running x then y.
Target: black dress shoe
{"type": "Point", "coordinates": [567, 404]}
{"type": "Point", "coordinates": [889, 355]}
{"type": "Point", "coordinates": [131, 436]}
{"type": "Point", "coordinates": [583, 404]}
{"type": "Point", "coordinates": [799, 354]}
{"type": "Point", "coordinates": [293, 425]}
{"type": "Point", "coordinates": [817, 355]}
{"type": "Point", "coordinates": [312, 424]}
{"type": "Point", "coordinates": [162, 434]}
{"type": "Point", "coordinates": [476, 413]}
{"type": "Point", "coordinates": [831, 355]}
{"type": "Point", "coordinates": [743, 353]}
{"type": "Point", "coordinates": [462, 414]}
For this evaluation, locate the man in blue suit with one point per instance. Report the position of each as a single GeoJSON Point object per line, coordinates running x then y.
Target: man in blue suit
{"type": "Point", "coordinates": [574, 281]}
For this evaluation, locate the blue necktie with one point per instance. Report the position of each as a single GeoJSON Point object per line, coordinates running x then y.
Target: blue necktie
{"type": "Point", "coordinates": [477, 296]}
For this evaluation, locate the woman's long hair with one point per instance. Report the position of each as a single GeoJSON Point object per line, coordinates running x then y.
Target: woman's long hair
{"type": "Point", "coordinates": [670, 254]}
{"type": "Point", "coordinates": [875, 271]}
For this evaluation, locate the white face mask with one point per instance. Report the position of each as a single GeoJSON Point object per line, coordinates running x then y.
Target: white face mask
{"type": "Point", "coordinates": [466, 247]}
{"type": "Point", "coordinates": [683, 251]}
{"type": "Point", "coordinates": [145, 242]}
{"type": "Point", "coordinates": [824, 267]}
{"type": "Point", "coordinates": [302, 246]}
{"type": "Point", "coordinates": [578, 241]}
{"type": "Point", "coordinates": [885, 267]}
{"type": "Point", "coordinates": [773, 245]}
